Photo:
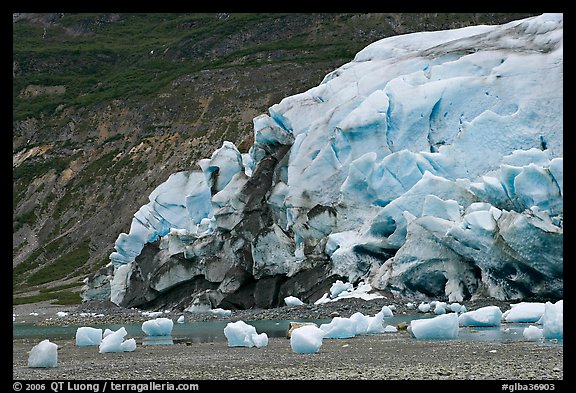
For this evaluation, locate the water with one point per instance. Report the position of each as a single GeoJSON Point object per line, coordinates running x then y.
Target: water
{"type": "Point", "coordinates": [213, 331]}
{"type": "Point", "coordinates": [196, 332]}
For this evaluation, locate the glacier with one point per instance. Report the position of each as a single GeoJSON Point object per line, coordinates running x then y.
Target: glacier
{"type": "Point", "coordinates": [429, 166]}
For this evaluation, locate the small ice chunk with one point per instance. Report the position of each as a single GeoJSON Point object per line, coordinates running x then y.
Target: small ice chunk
{"type": "Point", "coordinates": [339, 287]}
{"type": "Point", "coordinates": [339, 327]}
{"type": "Point", "coordinates": [62, 314]}
{"type": "Point", "coordinates": [220, 312]}
{"type": "Point", "coordinates": [533, 333]}
{"type": "Point", "coordinates": [241, 334]}
{"type": "Point", "coordinates": [114, 342]}
{"type": "Point", "coordinates": [260, 340]}
{"type": "Point", "coordinates": [440, 309]}
{"type": "Point", "coordinates": [387, 312]}
{"type": "Point", "coordinates": [424, 307]}
{"type": "Point", "coordinates": [455, 307]}
{"type": "Point", "coordinates": [86, 336]}
{"type": "Point", "coordinates": [43, 355]}
{"type": "Point", "coordinates": [528, 312]}
{"type": "Point", "coordinates": [390, 329]}
{"type": "Point", "coordinates": [553, 320]}
{"type": "Point", "coordinates": [158, 327]}
{"type": "Point", "coordinates": [375, 324]}
{"type": "Point", "coordinates": [128, 345]}
{"type": "Point", "coordinates": [364, 324]}
{"type": "Point", "coordinates": [152, 314]}
{"type": "Point", "coordinates": [292, 301]}
{"type": "Point", "coordinates": [180, 319]}
{"type": "Point", "coordinates": [441, 327]}
{"type": "Point", "coordinates": [360, 322]}
{"type": "Point", "coordinates": [306, 339]}
{"type": "Point", "coordinates": [484, 316]}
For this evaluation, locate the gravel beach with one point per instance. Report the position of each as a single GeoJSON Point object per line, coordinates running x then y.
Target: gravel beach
{"type": "Point", "coordinates": [390, 356]}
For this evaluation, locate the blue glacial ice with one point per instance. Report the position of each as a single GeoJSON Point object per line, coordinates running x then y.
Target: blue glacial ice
{"type": "Point", "coordinates": [441, 327]}
{"type": "Point", "coordinates": [430, 165]}
{"type": "Point", "coordinates": [484, 316]}
{"type": "Point", "coordinates": [87, 335]}
{"type": "Point", "coordinates": [553, 320]}
{"type": "Point", "coordinates": [525, 312]}
{"type": "Point", "coordinates": [158, 326]}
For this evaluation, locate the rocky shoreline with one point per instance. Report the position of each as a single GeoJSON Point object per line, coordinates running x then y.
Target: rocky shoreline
{"type": "Point", "coordinates": [396, 356]}
{"type": "Point", "coordinates": [105, 312]}
{"type": "Point", "coordinates": [377, 357]}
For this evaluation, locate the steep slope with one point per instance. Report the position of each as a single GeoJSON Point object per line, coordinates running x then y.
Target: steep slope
{"type": "Point", "coordinates": [430, 166]}
{"type": "Point", "coordinates": [107, 106]}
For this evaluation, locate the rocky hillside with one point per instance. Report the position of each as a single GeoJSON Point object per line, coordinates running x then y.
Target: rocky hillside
{"type": "Point", "coordinates": [107, 106]}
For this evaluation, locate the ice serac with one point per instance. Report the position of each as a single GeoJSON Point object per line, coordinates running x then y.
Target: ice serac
{"type": "Point", "coordinates": [430, 166]}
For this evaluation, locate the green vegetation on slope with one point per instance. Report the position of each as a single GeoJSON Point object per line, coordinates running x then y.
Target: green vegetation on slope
{"type": "Point", "coordinates": [139, 54]}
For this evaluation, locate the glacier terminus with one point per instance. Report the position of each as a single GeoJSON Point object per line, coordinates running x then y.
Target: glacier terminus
{"type": "Point", "coordinates": [429, 166]}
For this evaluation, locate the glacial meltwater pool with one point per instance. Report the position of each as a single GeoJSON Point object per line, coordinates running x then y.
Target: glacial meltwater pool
{"type": "Point", "coordinates": [212, 331]}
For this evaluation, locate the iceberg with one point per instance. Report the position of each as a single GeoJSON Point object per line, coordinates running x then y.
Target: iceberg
{"type": "Point", "coordinates": [241, 334]}
{"type": "Point", "coordinates": [528, 312]}
{"type": "Point", "coordinates": [533, 333]}
{"type": "Point", "coordinates": [387, 311]}
{"type": "Point", "coordinates": [440, 309]}
{"type": "Point", "coordinates": [553, 320]}
{"type": "Point", "coordinates": [340, 287]}
{"type": "Point", "coordinates": [360, 321]}
{"type": "Point", "coordinates": [114, 342]}
{"type": "Point", "coordinates": [484, 316]}
{"type": "Point", "coordinates": [340, 290]}
{"type": "Point", "coordinates": [87, 335]}
{"type": "Point", "coordinates": [293, 301]}
{"type": "Point", "coordinates": [220, 312]}
{"type": "Point", "coordinates": [339, 327]}
{"type": "Point", "coordinates": [429, 166]}
{"type": "Point", "coordinates": [306, 339]}
{"type": "Point", "coordinates": [441, 327]}
{"type": "Point", "coordinates": [158, 327]}
{"type": "Point", "coordinates": [128, 345]}
{"type": "Point", "coordinates": [43, 355]}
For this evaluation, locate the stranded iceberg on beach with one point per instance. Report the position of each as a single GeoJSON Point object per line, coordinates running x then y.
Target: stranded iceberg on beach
{"type": "Point", "coordinates": [114, 342]}
{"type": "Point", "coordinates": [43, 355]}
{"type": "Point", "coordinates": [431, 165]}
{"type": "Point", "coordinates": [158, 327]}
{"type": "Point", "coordinates": [87, 336]}
{"type": "Point", "coordinates": [241, 334]}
